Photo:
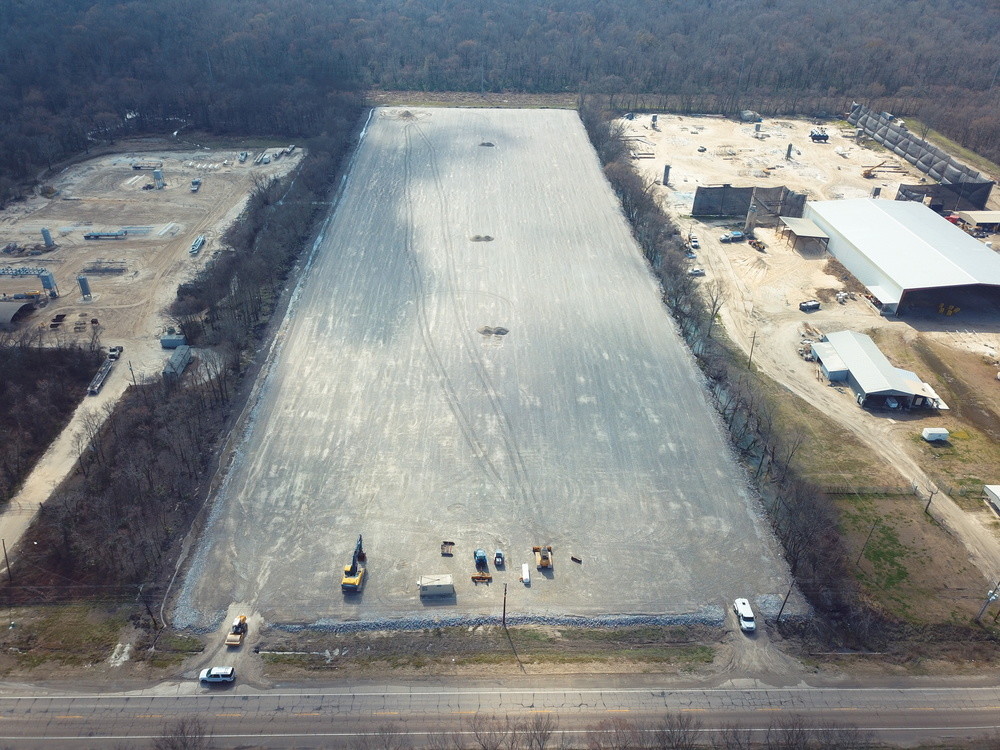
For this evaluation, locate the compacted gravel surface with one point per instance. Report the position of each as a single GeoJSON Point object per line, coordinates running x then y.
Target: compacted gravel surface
{"type": "Point", "coordinates": [477, 353]}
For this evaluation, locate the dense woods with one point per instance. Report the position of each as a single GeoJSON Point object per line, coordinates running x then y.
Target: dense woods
{"type": "Point", "coordinates": [76, 72]}
{"type": "Point", "coordinates": [39, 388]}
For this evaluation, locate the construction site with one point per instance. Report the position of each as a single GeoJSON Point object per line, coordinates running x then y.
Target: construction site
{"type": "Point", "coordinates": [98, 253]}
{"type": "Point", "coordinates": [734, 188]}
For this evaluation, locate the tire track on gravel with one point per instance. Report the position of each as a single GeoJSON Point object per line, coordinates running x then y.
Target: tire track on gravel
{"type": "Point", "coordinates": [515, 457]}
{"type": "Point", "coordinates": [423, 325]}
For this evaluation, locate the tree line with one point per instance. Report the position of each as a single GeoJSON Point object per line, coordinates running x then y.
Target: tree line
{"type": "Point", "coordinates": [78, 73]}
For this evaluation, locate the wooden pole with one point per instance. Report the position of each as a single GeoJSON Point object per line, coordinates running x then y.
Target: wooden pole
{"type": "Point", "coordinates": [504, 606]}
{"type": "Point", "coordinates": [10, 578]}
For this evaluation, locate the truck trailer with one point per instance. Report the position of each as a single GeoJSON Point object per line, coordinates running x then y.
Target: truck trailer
{"type": "Point", "coordinates": [436, 586]}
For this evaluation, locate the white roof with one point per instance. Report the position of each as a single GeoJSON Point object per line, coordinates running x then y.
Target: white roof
{"type": "Point", "coordinates": [870, 368]}
{"type": "Point", "coordinates": [911, 244]}
{"type": "Point", "coordinates": [804, 228]}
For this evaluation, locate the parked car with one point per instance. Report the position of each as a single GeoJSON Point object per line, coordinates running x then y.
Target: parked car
{"type": "Point", "coordinates": [498, 558]}
{"type": "Point", "coordinates": [115, 352]}
{"type": "Point", "coordinates": [693, 242]}
{"type": "Point", "coordinates": [748, 623]}
{"type": "Point", "coordinates": [218, 674]}
{"type": "Point", "coordinates": [696, 272]}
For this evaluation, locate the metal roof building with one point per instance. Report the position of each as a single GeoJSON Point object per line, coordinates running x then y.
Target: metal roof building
{"type": "Point", "coordinates": [907, 255]}
{"type": "Point", "coordinates": [855, 359]}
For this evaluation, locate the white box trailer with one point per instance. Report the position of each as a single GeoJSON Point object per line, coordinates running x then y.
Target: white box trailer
{"type": "Point", "coordinates": [935, 434]}
{"type": "Point", "coordinates": [526, 574]}
{"type": "Point", "coordinates": [437, 585]}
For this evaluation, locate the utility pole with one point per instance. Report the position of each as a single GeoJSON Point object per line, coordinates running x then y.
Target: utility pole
{"type": "Point", "coordinates": [753, 342]}
{"type": "Point", "coordinates": [783, 603]}
{"type": "Point", "coordinates": [865, 545]}
{"type": "Point", "coordinates": [10, 578]}
{"type": "Point", "coordinates": [504, 620]}
{"type": "Point", "coordinates": [928, 506]}
{"type": "Point", "coordinates": [991, 596]}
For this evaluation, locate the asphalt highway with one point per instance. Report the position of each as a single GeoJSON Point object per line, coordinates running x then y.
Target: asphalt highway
{"type": "Point", "coordinates": [338, 716]}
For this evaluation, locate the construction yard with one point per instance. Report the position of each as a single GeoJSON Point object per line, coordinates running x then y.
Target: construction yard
{"type": "Point", "coordinates": [132, 271]}
{"type": "Point", "coordinates": [761, 291]}
{"type": "Point", "coordinates": [478, 353]}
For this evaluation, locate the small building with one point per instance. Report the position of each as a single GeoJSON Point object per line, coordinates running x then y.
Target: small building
{"type": "Point", "coordinates": [171, 340]}
{"type": "Point", "coordinates": [177, 363]}
{"type": "Point", "coordinates": [986, 220]}
{"type": "Point", "coordinates": [853, 358]}
{"type": "Point", "coordinates": [935, 434]}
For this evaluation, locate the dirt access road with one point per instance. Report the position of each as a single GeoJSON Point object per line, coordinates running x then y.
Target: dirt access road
{"type": "Point", "coordinates": [584, 425]}
{"type": "Point", "coordinates": [132, 280]}
{"type": "Point", "coordinates": [762, 290]}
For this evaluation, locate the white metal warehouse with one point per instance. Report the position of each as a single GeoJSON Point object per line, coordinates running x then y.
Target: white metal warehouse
{"type": "Point", "coordinates": [908, 256]}
{"type": "Point", "coordinates": [846, 356]}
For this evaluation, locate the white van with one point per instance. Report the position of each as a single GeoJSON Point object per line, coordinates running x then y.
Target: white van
{"type": "Point", "coordinates": [744, 614]}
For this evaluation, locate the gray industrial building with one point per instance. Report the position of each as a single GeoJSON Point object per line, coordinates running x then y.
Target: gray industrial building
{"type": "Point", "coordinates": [853, 358]}
{"type": "Point", "coordinates": [909, 257]}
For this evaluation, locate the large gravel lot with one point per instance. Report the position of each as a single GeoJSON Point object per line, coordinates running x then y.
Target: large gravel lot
{"type": "Point", "coordinates": [386, 412]}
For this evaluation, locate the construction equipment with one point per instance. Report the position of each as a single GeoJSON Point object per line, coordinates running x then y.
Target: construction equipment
{"type": "Point", "coordinates": [871, 173]}
{"type": "Point", "coordinates": [733, 236]}
{"type": "Point", "coordinates": [237, 632]}
{"type": "Point", "coordinates": [819, 135]}
{"type": "Point", "coordinates": [481, 577]}
{"type": "Point", "coordinates": [543, 556]}
{"type": "Point", "coordinates": [759, 246]}
{"type": "Point", "coordinates": [447, 549]}
{"type": "Point", "coordinates": [354, 574]}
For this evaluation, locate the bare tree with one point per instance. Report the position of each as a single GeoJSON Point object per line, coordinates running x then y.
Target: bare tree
{"type": "Point", "coordinates": [385, 737]}
{"type": "Point", "coordinates": [539, 729]}
{"type": "Point", "coordinates": [676, 732]}
{"type": "Point", "coordinates": [185, 734]}
{"type": "Point", "coordinates": [614, 734]}
{"type": "Point", "coordinates": [489, 732]}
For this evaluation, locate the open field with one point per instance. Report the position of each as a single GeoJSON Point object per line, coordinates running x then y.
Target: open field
{"type": "Point", "coordinates": [387, 412]}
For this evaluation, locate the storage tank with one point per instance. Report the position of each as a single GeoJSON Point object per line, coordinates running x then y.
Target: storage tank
{"type": "Point", "coordinates": [158, 179]}
{"type": "Point", "coordinates": [47, 237]}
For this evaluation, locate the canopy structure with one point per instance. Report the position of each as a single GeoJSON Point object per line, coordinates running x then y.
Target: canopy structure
{"type": "Point", "coordinates": [803, 229]}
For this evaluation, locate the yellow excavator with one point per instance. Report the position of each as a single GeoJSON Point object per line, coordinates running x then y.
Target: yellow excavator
{"type": "Point", "coordinates": [354, 574]}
